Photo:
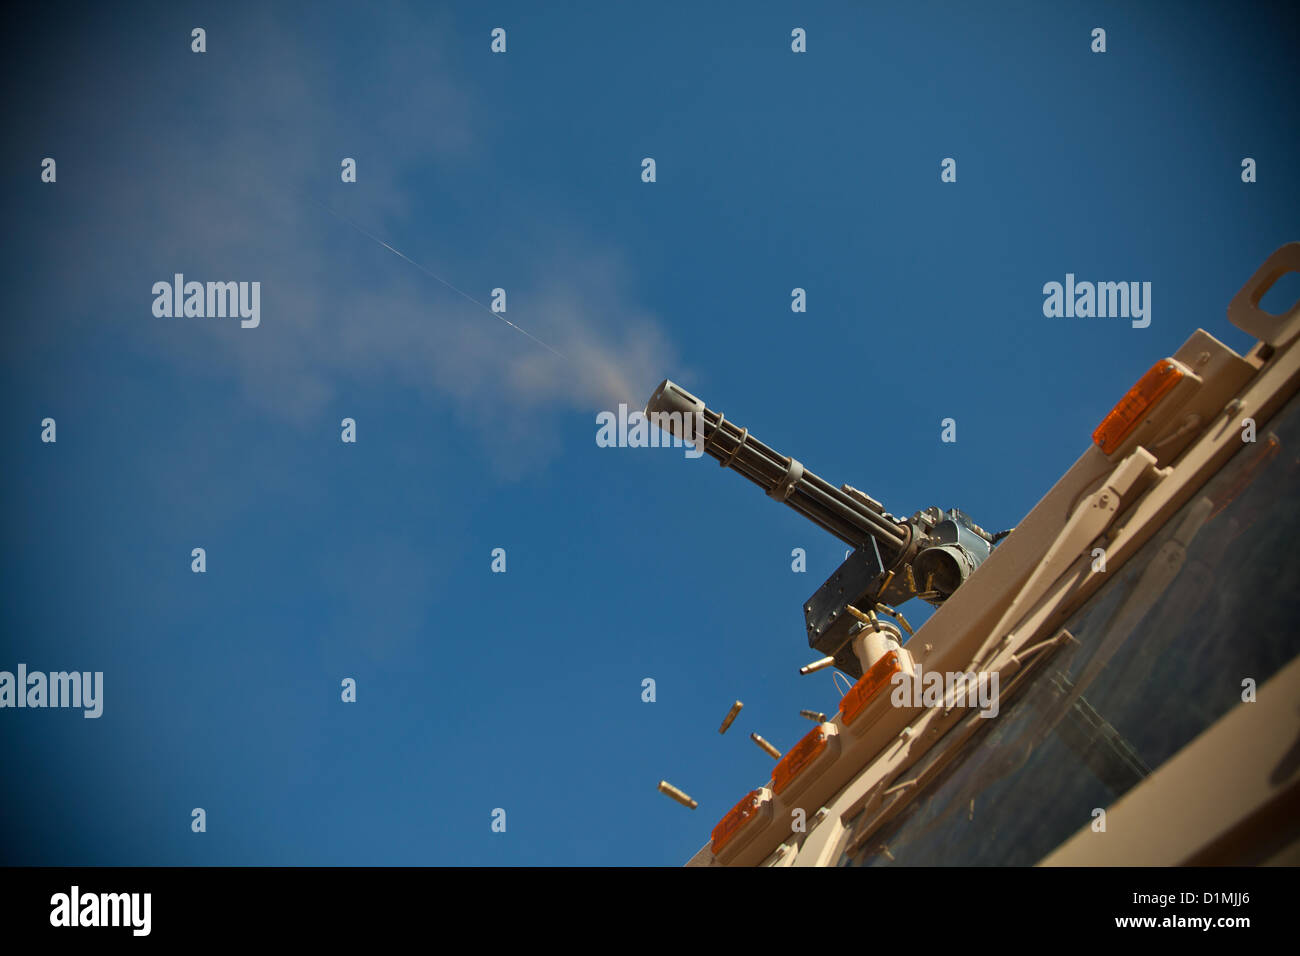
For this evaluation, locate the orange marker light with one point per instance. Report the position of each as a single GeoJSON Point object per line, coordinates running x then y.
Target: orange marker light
{"type": "Point", "coordinates": [1133, 407]}
{"type": "Point", "coordinates": [800, 756]}
{"type": "Point", "coordinates": [868, 686]}
{"type": "Point", "coordinates": [738, 816]}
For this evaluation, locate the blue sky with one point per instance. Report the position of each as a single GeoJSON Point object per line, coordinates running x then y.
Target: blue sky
{"type": "Point", "coordinates": [522, 170]}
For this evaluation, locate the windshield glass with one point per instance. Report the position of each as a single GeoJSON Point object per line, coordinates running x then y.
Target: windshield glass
{"type": "Point", "coordinates": [1163, 650]}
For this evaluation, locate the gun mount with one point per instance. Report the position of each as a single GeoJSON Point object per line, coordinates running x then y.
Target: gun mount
{"type": "Point", "coordinates": [928, 555]}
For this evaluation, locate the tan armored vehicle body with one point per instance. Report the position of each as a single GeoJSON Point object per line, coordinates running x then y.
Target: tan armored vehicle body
{"type": "Point", "coordinates": [1139, 627]}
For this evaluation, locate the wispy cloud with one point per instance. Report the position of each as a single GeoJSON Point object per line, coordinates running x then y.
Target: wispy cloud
{"type": "Point", "coordinates": [256, 130]}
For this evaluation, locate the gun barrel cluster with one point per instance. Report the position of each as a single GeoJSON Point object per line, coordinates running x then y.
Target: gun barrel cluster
{"type": "Point", "coordinates": [783, 478]}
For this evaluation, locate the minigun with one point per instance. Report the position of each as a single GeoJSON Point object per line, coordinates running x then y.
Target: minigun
{"type": "Point", "coordinates": [927, 556]}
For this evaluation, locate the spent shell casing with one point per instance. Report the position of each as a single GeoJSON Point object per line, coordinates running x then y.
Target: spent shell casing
{"type": "Point", "coordinates": [682, 798]}
{"type": "Point", "coordinates": [814, 715]}
{"type": "Point", "coordinates": [767, 748]}
{"type": "Point", "coordinates": [731, 715]}
{"type": "Point", "coordinates": [817, 665]}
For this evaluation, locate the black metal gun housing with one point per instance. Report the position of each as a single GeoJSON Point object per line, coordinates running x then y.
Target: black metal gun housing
{"type": "Point", "coordinates": [928, 555]}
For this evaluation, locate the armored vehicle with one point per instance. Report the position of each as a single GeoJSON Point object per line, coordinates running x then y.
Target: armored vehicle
{"type": "Point", "coordinates": [1115, 681]}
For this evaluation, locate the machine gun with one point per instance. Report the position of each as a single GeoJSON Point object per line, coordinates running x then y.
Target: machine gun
{"type": "Point", "coordinates": [928, 555]}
